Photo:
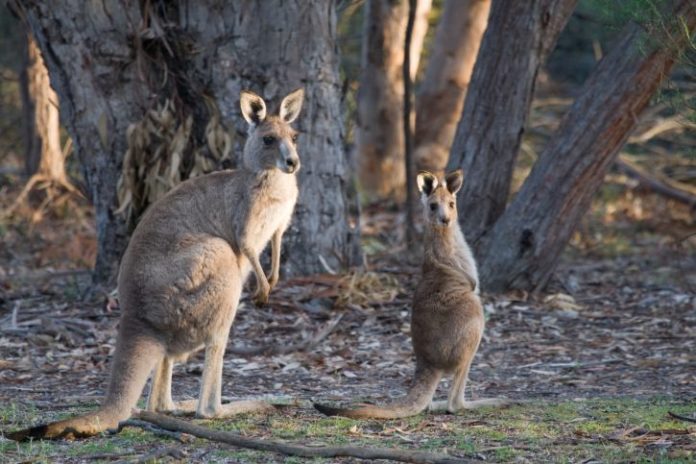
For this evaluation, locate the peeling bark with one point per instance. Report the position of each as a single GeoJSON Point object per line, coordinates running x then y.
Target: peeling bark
{"type": "Point", "coordinates": [43, 153]}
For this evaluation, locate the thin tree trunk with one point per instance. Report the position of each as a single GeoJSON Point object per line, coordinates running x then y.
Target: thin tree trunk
{"type": "Point", "coordinates": [112, 61]}
{"type": "Point", "coordinates": [407, 122]}
{"type": "Point", "coordinates": [43, 153]}
{"type": "Point", "coordinates": [524, 246]}
{"type": "Point", "coordinates": [443, 90]}
{"type": "Point", "coordinates": [379, 135]}
{"type": "Point", "coordinates": [519, 37]}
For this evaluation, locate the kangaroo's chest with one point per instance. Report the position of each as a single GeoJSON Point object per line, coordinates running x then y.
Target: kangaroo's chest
{"type": "Point", "coordinates": [272, 211]}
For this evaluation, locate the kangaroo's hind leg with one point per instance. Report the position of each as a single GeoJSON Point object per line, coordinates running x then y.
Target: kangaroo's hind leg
{"type": "Point", "coordinates": [210, 400]}
{"type": "Point", "coordinates": [456, 401]}
{"type": "Point", "coordinates": [160, 398]}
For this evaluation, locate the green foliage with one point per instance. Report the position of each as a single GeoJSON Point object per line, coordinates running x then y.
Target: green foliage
{"type": "Point", "coordinates": [618, 13]}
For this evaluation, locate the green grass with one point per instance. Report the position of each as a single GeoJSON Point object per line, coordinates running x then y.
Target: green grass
{"type": "Point", "coordinates": [567, 431]}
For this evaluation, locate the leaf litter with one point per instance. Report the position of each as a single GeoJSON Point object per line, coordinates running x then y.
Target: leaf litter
{"type": "Point", "coordinates": [609, 327]}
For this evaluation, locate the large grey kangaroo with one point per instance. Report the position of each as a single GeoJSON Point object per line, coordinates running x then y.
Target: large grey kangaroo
{"type": "Point", "coordinates": [182, 275]}
{"type": "Point", "coordinates": [446, 318]}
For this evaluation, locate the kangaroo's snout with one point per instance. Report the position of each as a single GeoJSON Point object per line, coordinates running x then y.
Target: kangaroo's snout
{"type": "Point", "coordinates": [289, 161]}
{"type": "Point", "coordinates": [292, 164]}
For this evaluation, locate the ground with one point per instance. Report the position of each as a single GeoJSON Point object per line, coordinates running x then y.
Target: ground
{"type": "Point", "coordinates": [597, 361]}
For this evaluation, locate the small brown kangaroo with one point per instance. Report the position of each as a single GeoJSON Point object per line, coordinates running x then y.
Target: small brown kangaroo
{"type": "Point", "coordinates": [182, 274]}
{"type": "Point", "coordinates": [446, 317]}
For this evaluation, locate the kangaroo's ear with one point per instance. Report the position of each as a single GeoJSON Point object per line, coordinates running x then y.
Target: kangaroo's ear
{"type": "Point", "coordinates": [427, 182]}
{"type": "Point", "coordinates": [291, 105]}
{"type": "Point", "coordinates": [253, 107]}
{"type": "Point", "coordinates": [454, 180]}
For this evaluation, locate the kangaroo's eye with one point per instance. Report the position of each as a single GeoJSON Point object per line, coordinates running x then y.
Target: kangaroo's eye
{"type": "Point", "coordinates": [451, 204]}
{"type": "Point", "coordinates": [433, 206]}
{"type": "Point", "coordinates": [269, 140]}
{"type": "Point", "coordinates": [294, 138]}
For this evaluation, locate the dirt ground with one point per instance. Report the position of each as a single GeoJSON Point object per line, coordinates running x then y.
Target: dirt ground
{"type": "Point", "coordinates": [618, 321]}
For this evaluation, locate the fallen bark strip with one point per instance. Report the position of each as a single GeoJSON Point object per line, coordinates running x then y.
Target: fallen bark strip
{"type": "Point", "coordinates": [401, 455]}
{"type": "Point", "coordinates": [303, 345]}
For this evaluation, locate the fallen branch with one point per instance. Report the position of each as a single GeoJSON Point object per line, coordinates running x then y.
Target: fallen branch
{"type": "Point", "coordinates": [170, 423]}
{"type": "Point", "coordinates": [684, 418]}
{"type": "Point", "coordinates": [96, 457]}
{"type": "Point", "coordinates": [150, 428]}
{"type": "Point", "coordinates": [660, 184]}
{"type": "Point", "coordinates": [303, 345]}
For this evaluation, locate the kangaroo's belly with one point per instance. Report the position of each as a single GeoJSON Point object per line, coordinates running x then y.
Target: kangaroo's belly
{"type": "Point", "coordinates": [187, 297]}
{"type": "Point", "coordinates": [446, 328]}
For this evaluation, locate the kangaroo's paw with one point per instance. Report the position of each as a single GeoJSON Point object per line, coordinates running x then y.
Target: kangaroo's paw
{"type": "Point", "coordinates": [443, 407]}
{"type": "Point", "coordinates": [438, 406]}
{"type": "Point", "coordinates": [261, 296]}
{"type": "Point", "coordinates": [234, 408]}
{"type": "Point", "coordinates": [163, 406]}
{"type": "Point", "coordinates": [487, 402]}
{"type": "Point", "coordinates": [184, 408]}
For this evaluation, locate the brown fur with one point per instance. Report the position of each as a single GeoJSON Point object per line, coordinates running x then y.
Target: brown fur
{"type": "Point", "coordinates": [446, 319]}
{"type": "Point", "coordinates": [182, 275]}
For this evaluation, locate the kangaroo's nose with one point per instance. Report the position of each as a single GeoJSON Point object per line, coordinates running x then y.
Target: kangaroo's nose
{"type": "Point", "coordinates": [291, 162]}
{"type": "Point", "coordinates": [445, 221]}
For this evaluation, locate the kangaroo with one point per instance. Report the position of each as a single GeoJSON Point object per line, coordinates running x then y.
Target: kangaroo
{"type": "Point", "coordinates": [182, 274]}
{"type": "Point", "coordinates": [446, 319]}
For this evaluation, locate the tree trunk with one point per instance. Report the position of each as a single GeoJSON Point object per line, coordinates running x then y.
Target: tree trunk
{"type": "Point", "coordinates": [43, 153]}
{"type": "Point", "coordinates": [113, 61]}
{"type": "Point", "coordinates": [278, 46]}
{"type": "Point", "coordinates": [86, 49]}
{"type": "Point", "coordinates": [519, 37]}
{"type": "Point", "coordinates": [379, 134]}
{"type": "Point", "coordinates": [442, 93]}
{"type": "Point", "coordinates": [524, 246]}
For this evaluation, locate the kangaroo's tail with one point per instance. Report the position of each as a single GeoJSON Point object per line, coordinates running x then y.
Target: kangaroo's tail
{"type": "Point", "coordinates": [418, 398]}
{"type": "Point", "coordinates": [134, 359]}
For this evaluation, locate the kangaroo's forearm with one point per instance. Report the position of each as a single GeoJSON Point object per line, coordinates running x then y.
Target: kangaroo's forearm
{"type": "Point", "coordinates": [256, 266]}
{"type": "Point", "coordinates": [275, 256]}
